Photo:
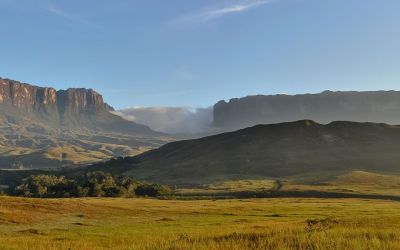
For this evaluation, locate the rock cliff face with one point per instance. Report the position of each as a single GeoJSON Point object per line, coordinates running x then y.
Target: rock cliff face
{"type": "Point", "coordinates": [25, 96]}
{"type": "Point", "coordinates": [37, 99]}
{"type": "Point", "coordinates": [325, 107]}
{"type": "Point", "coordinates": [81, 100]}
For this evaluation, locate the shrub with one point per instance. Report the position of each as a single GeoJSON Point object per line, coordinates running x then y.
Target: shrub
{"type": "Point", "coordinates": [93, 184]}
{"type": "Point", "coordinates": [152, 190]}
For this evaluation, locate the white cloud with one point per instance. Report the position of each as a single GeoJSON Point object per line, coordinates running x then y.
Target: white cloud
{"type": "Point", "coordinates": [71, 18]}
{"type": "Point", "coordinates": [218, 12]}
{"type": "Point", "coordinates": [173, 120]}
{"type": "Point", "coordinates": [212, 14]}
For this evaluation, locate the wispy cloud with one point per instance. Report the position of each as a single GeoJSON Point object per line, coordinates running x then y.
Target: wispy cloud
{"type": "Point", "coordinates": [221, 11]}
{"type": "Point", "coordinates": [65, 15]}
{"type": "Point", "coordinates": [216, 13]}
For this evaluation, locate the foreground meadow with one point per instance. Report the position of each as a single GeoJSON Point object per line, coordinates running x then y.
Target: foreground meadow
{"type": "Point", "coordinates": [284, 223]}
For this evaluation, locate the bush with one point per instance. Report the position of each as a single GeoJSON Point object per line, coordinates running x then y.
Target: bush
{"type": "Point", "coordinates": [2, 193]}
{"type": "Point", "coordinates": [152, 190]}
{"type": "Point", "coordinates": [44, 186]}
{"type": "Point", "coordinates": [92, 184]}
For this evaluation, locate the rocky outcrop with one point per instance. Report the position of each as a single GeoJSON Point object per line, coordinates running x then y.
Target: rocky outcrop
{"type": "Point", "coordinates": [76, 108]}
{"type": "Point", "coordinates": [80, 100]}
{"type": "Point", "coordinates": [26, 96]}
{"type": "Point", "coordinates": [31, 98]}
{"type": "Point", "coordinates": [325, 107]}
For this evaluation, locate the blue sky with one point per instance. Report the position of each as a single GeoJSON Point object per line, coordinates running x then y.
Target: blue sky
{"type": "Point", "coordinates": [196, 52]}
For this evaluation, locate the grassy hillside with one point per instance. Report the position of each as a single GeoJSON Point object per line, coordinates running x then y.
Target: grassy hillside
{"type": "Point", "coordinates": [43, 128]}
{"type": "Point", "coordinates": [271, 151]}
{"type": "Point", "coordinates": [41, 147]}
{"type": "Point", "coordinates": [223, 224]}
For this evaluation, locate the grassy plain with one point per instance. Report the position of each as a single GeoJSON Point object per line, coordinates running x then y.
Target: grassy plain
{"type": "Point", "coordinates": [281, 223]}
{"type": "Point", "coordinates": [347, 183]}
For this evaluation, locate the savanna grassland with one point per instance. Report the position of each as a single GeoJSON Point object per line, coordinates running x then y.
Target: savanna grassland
{"type": "Point", "coordinates": [118, 223]}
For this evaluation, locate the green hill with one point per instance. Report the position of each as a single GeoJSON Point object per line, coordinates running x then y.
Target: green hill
{"type": "Point", "coordinates": [302, 148]}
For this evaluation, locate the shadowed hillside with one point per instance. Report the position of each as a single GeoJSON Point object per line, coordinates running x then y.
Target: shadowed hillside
{"type": "Point", "coordinates": [277, 150]}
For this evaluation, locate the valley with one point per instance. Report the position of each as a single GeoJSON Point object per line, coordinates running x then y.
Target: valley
{"type": "Point", "coordinates": [200, 125]}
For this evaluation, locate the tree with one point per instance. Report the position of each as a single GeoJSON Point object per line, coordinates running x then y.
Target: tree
{"type": "Point", "coordinates": [129, 185]}
{"type": "Point", "coordinates": [152, 190]}
{"type": "Point", "coordinates": [39, 186]}
{"type": "Point", "coordinates": [94, 184]}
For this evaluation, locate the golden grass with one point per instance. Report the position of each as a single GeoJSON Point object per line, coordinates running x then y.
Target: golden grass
{"type": "Point", "coordinates": [356, 182]}
{"type": "Point", "coordinates": [243, 185]}
{"type": "Point", "coordinates": [353, 182]}
{"type": "Point", "coordinates": [229, 186]}
{"type": "Point", "coordinates": [74, 154]}
{"type": "Point", "coordinates": [290, 223]}
{"type": "Point", "coordinates": [368, 178]}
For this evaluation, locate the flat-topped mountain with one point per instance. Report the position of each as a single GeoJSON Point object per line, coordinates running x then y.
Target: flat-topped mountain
{"type": "Point", "coordinates": [70, 108]}
{"type": "Point", "coordinates": [32, 98]}
{"type": "Point", "coordinates": [263, 151]}
{"type": "Point", "coordinates": [42, 127]}
{"type": "Point", "coordinates": [325, 107]}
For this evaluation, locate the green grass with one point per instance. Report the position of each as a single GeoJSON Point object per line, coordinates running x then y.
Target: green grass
{"type": "Point", "coordinates": [290, 223]}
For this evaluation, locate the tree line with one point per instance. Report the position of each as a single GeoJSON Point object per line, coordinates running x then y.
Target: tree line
{"type": "Point", "coordinates": [92, 184]}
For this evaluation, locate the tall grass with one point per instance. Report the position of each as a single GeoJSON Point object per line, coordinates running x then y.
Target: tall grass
{"type": "Point", "coordinates": [223, 224]}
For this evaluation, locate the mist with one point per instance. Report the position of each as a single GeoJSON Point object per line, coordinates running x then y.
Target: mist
{"type": "Point", "coordinates": [172, 120]}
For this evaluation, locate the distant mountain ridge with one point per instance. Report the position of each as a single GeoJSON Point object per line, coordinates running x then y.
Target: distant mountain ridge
{"type": "Point", "coordinates": [325, 107]}
{"type": "Point", "coordinates": [269, 151]}
{"type": "Point", "coordinates": [41, 127]}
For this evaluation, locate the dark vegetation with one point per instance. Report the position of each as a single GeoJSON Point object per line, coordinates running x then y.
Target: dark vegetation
{"type": "Point", "coordinates": [103, 184]}
{"type": "Point", "coordinates": [284, 194]}
{"type": "Point", "coordinates": [91, 184]}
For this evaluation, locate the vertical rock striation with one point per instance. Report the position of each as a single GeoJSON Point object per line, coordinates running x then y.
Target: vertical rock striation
{"type": "Point", "coordinates": [28, 98]}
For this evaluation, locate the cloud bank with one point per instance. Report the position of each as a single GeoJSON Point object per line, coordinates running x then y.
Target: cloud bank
{"type": "Point", "coordinates": [172, 120]}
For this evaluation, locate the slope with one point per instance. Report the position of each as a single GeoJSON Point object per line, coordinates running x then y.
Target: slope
{"type": "Point", "coordinates": [276, 150]}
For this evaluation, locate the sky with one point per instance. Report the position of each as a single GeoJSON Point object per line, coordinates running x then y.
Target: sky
{"type": "Point", "coordinates": [194, 53]}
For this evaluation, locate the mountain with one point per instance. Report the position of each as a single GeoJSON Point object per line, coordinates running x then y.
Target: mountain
{"type": "Point", "coordinates": [277, 150]}
{"type": "Point", "coordinates": [325, 107]}
{"type": "Point", "coordinates": [44, 128]}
